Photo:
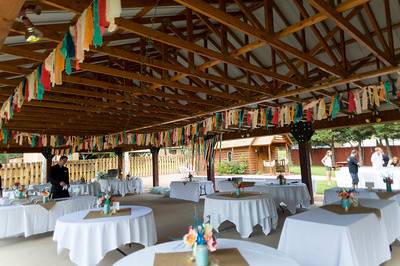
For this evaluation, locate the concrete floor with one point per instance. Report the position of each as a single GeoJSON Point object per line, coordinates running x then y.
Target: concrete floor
{"type": "Point", "coordinates": [172, 219]}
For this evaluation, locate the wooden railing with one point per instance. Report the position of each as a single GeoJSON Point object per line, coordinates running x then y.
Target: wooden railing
{"type": "Point", "coordinates": [30, 173]}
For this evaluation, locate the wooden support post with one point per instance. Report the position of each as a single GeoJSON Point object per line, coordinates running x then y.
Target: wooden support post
{"type": "Point", "coordinates": [270, 159]}
{"type": "Point", "coordinates": [210, 170]}
{"type": "Point", "coordinates": [46, 152]}
{"type": "Point", "coordinates": [154, 157]}
{"type": "Point", "coordinates": [120, 161]}
{"type": "Point", "coordinates": [305, 166]}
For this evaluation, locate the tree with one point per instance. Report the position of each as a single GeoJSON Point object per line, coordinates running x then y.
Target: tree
{"type": "Point", "coordinates": [386, 131]}
{"type": "Point", "coordinates": [329, 137]}
{"type": "Point", "coordinates": [358, 134]}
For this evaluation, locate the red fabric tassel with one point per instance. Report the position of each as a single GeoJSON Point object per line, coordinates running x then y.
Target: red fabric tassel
{"type": "Point", "coordinates": [352, 102]}
{"type": "Point", "coordinates": [26, 91]}
{"type": "Point", "coordinates": [308, 115]}
{"type": "Point", "coordinates": [102, 15]}
{"type": "Point", "coordinates": [275, 118]}
{"type": "Point", "coordinates": [248, 119]}
{"type": "Point", "coordinates": [45, 79]}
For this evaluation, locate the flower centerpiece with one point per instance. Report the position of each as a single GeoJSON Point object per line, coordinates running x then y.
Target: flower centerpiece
{"type": "Point", "coordinates": [83, 180]}
{"type": "Point", "coordinates": [19, 190]}
{"type": "Point", "coordinates": [101, 175]}
{"type": "Point", "coordinates": [201, 239]}
{"type": "Point", "coordinates": [45, 196]}
{"type": "Point", "coordinates": [238, 185]}
{"type": "Point", "coordinates": [104, 202]}
{"type": "Point", "coordinates": [348, 198]}
{"type": "Point", "coordinates": [281, 179]}
{"type": "Point", "coordinates": [388, 181]}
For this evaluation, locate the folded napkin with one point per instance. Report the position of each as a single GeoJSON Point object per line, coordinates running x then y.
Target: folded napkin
{"type": "Point", "coordinates": [221, 257]}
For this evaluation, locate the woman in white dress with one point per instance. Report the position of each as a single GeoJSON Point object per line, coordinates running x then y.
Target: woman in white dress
{"type": "Point", "coordinates": [327, 162]}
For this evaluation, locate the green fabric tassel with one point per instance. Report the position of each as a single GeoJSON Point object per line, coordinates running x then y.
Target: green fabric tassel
{"type": "Point", "coordinates": [5, 136]}
{"type": "Point", "coordinates": [387, 90]}
{"type": "Point", "coordinates": [40, 87]}
{"type": "Point", "coordinates": [97, 37]}
{"type": "Point", "coordinates": [240, 123]}
{"type": "Point", "coordinates": [335, 107]}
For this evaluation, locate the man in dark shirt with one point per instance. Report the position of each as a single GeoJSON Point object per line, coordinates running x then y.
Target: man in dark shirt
{"type": "Point", "coordinates": [59, 179]}
{"type": "Point", "coordinates": [353, 167]}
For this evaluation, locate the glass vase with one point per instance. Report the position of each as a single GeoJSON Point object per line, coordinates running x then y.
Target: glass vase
{"type": "Point", "coordinates": [346, 204]}
{"type": "Point", "coordinates": [201, 255]}
{"type": "Point", "coordinates": [388, 187]}
{"type": "Point", "coordinates": [45, 199]}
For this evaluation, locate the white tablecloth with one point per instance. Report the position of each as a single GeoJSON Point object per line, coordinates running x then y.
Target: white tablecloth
{"type": "Point", "coordinates": [255, 254]}
{"type": "Point", "coordinates": [190, 190]}
{"type": "Point", "coordinates": [84, 189]}
{"type": "Point", "coordinates": [122, 187]}
{"type": "Point", "coordinates": [89, 240]}
{"type": "Point", "coordinates": [34, 219]}
{"type": "Point", "coordinates": [330, 195]}
{"type": "Point", "coordinates": [292, 195]}
{"type": "Point", "coordinates": [245, 213]}
{"type": "Point", "coordinates": [369, 174]}
{"type": "Point", "coordinates": [320, 237]}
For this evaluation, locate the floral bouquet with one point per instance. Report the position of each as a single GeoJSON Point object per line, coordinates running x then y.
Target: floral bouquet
{"type": "Point", "coordinates": [105, 202]}
{"type": "Point", "coordinates": [201, 239]}
{"type": "Point", "coordinates": [238, 186]}
{"type": "Point", "coordinates": [20, 191]}
{"type": "Point", "coordinates": [282, 179]}
{"type": "Point", "coordinates": [348, 198]}
{"type": "Point", "coordinates": [45, 196]}
{"type": "Point", "coordinates": [388, 181]}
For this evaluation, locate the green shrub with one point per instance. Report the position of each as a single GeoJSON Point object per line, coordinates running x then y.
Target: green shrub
{"type": "Point", "coordinates": [232, 167]}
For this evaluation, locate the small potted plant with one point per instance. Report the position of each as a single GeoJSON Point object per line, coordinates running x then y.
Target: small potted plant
{"type": "Point", "coordinates": [202, 241]}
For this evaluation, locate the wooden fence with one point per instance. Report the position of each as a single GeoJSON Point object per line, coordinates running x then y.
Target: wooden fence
{"type": "Point", "coordinates": [30, 173]}
{"type": "Point", "coordinates": [168, 164]}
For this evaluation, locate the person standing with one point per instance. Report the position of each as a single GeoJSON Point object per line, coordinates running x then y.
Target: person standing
{"type": "Point", "coordinates": [353, 165]}
{"type": "Point", "coordinates": [377, 158]}
{"type": "Point", "coordinates": [59, 179]}
{"type": "Point", "coordinates": [385, 158]}
{"type": "Point", "coordinates": [327, 162]}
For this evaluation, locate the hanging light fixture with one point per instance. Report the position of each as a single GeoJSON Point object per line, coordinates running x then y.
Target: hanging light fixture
{"type": "Point", "coordinates": [32, 34]}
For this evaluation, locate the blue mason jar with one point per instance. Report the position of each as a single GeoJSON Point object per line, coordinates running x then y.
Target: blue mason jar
{"type": "Point", "coordinates": [388, 187]}
{"type": "Point", "coordinates": [346, 204]}
{"type": "Point", "coordinates": [201, 255]}
{"type": "Point", "coordinates": [106, 208]}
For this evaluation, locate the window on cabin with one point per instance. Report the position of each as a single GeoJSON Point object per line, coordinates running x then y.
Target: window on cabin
{"type": "Point", "coordinates": [229, 155]}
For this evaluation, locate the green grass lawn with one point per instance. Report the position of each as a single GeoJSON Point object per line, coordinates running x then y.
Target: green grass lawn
{"type": "Point", "coordinates": [315, 170]}
{"type": "Point", "coordinates": [321, 185]}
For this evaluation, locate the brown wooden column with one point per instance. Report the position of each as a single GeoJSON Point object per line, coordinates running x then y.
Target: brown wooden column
{"type": "Point", "coordinates": [120, 161]}
{"type": "Point", "coordinates": [47, 153]}
{"type": "Point", "coordinates": [154, 157]}
{"type": "Point", "coordinates": [210, 170]}
{"type": "Point", "coordinates": [305, 166]}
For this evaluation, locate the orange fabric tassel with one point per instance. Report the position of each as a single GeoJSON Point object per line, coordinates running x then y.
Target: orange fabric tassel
{"type": "Point", "coordinates": [59, 65]}
{"type": "Point", "coordinates": [88, 38]}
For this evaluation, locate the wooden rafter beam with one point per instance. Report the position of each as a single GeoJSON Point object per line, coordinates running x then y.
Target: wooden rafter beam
{"type": "Point", "coordinates": [212, 12]}
{"type": "Point", "coordinates": [351, 30]}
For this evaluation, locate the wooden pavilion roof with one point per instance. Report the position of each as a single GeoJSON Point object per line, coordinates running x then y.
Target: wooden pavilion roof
{"type": "Point", "coordinates": [173, 62]}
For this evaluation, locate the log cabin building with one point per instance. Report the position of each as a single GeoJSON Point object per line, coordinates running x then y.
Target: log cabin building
{"type": "Point", "coordinates": [263, 154]}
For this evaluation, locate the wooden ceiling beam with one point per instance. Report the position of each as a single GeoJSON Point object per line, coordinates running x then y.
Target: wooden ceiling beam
{"type": "Point", "coordinates": [181, 44]}
{"type": "Point", "coordinates": [220, 16]}
{"type": "Point", "coordinates": [351, 30]}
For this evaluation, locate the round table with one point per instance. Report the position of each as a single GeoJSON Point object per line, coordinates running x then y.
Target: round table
{"type": "Point", "coordinates": [244, 212]}
{"type": "Point", "coordinates": [292, 195]}
{"type": "Point", "coordinates": [255, 254]}
{"type": "Point", "coordinates": [90, 239]}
